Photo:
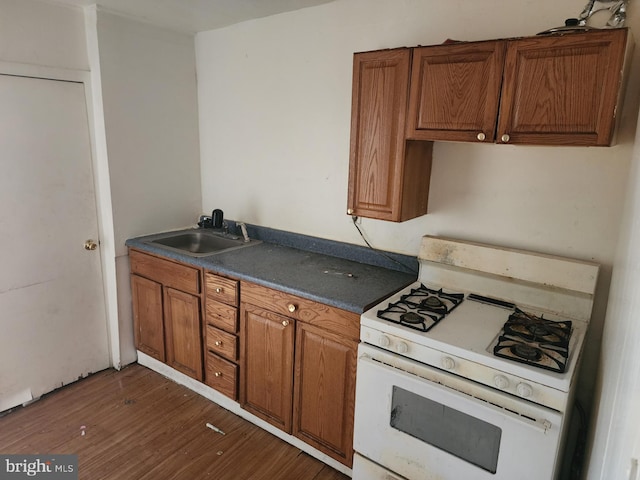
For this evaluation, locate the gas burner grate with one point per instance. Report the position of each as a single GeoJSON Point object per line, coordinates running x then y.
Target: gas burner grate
{"type": "Point", "coordinates": [422, 308]}
{"type": "Point", "coordinates": [536, 341]}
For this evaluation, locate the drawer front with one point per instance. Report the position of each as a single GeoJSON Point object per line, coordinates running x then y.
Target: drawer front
{"type": "Point", "coordinates": [168, 273]}
{"type": "Point", "coordinates": [221, 289]}
{"type": "Point", "coordinates": [221, 315]}
{"type": "Point", "coordinates": [222, 375]}
{"type": "Point", "coordinates": [330, 318]}
{"type": "Point", "coordinates": [222, 343]}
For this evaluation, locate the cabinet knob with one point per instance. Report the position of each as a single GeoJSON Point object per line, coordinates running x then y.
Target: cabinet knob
{"type": "Point", "coordinates": [218, 289]}
{"type": "Point", "coordinates": [291, 307]}
{"type": "Point", "coordinates": [349, 211]}
{"type": "Point", "coordinates": [218, 374]}
{"type": "Point", "coordinates": [90, 245]}
{"type": "Point", "coordinates": [505, 138]}
{"type": "Point", "coordinates": [481, 136]}
{"type": "Point", "coordinates": [285, 323]}
{"type": "Point", "coordinates": [218, 343]}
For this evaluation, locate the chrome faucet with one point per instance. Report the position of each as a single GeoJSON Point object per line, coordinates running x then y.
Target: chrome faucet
{"type": "Point", "coordinates": [617, 8]}
{"type": "Point", "coordinates": [243, 227]}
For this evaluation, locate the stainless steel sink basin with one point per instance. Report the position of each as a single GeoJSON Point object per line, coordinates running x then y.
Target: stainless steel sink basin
{"type": "Point", "coordinates": [201, 243]}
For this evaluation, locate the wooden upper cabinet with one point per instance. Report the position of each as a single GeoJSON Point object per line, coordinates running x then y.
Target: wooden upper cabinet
{"type": "Point", "coordinates": [455, 90]}
{"type": "Point", "coordinates": [562, 90]}
{"type": "Point", "coordinates": [388, 177]}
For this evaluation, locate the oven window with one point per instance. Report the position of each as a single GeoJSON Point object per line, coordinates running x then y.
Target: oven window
{"type": "Point", "coordinates": [457, 433]}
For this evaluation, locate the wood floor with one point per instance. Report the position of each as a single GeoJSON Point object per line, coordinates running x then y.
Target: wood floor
{"type": "Point", "coordinates": [137, 425]}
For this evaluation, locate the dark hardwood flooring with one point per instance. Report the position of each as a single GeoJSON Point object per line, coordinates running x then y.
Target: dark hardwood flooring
{"type": "Point", "coordinates": [136, 424]}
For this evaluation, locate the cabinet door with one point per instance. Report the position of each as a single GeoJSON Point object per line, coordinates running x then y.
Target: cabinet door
{"type": "Point", "coordinates": [325, 376]}
{"type": "Point", "coordinates": [379, 176]}
{"type": "Point", "coordinates": [183, 332]}
{"type": "Point", "coordinates": [266, 365]}
{"type": "Point", "coordinates": [562, 90]}
{"type": "Point", "coordinates": [148, 316]}
{"type": "Point", "coordinates": [455, 90]}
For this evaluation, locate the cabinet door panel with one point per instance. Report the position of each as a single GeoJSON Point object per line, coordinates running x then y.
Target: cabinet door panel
{"type": "Point", "coordinates": [454, 91]}
{"type": "Point", "coordinates": [266, 373]}
{"type": "Point", "coordinates": [325, 375]}
{"type": "Point", "coordinates": [183, 332]}
{"type": "Point", "coordinates": [562, 90]}
{"type": "Point", "coordinates": [148, 317]}
{"type": "Point", "coordinates": [379, 105]}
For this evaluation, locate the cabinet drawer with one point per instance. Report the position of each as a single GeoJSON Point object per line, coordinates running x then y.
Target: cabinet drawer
{"type": "Point", "coordinates": [221, 289]}
{"type": "Point", "coordinates": [222, 343]}
{"type": "Point", "coordinates": [221, 315]}
{"type": "Point", "coordinates": [222, 375]}
{"type": "Point", "coordinates": [168, 273]}
{"type": "Point", "coordinates": [330, 318]}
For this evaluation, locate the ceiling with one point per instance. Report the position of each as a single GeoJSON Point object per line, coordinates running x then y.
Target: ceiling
{"type": "Point", "coordinates": [196, 15]}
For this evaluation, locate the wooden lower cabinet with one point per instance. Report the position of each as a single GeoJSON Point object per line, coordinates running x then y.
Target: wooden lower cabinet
{"type": "Point", "coordinates": [183, 333]}
{"type": "Point", "coordinates": [292, 363]}
{"type": "Point", "coordinates": [220, 333]}
{"type": "Point", "coordinates": [148, 316]}
{"type": "Point", "coordinates": [324, 391]}
{"type": "Point", "coordinates": [166, 311]}
{"type": "Point", "coordinates": [266, 373]}
{"type": "Point", "coordinates": [298, 370]}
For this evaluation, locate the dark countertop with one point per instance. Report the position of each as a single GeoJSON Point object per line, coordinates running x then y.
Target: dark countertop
{"type": "Point", "coordinates": [298, 265]}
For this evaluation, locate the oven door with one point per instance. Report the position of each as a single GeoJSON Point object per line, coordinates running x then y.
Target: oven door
{"type": "Point", "coordinates": [421, 426]}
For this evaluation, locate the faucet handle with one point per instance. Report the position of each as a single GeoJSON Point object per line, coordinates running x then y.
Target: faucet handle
{"type": "Point", "coordinates": [243, 227]}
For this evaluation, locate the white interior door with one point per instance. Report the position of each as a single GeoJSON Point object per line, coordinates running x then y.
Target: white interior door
{"type": "Point", "coordinates": [53, 326]}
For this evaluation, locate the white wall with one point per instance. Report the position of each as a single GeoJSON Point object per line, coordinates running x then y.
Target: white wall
{"type": "Point", "coordinates": [150, 108]}
{"type": "Point", "coordinates": [617, 429]}
{"type": "Point", "coordinates": [147, 83]}
{"type": "Point", "coordinates": [42, 34]}
{"type": "Point", "coordinates": [274, 105]}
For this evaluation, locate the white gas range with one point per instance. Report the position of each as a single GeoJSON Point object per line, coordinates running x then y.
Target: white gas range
{"type": "Point", "coordinates": [469, 372]}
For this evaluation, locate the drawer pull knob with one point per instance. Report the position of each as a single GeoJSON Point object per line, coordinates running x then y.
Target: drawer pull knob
{"type": "Point", "coordinates": [505, 138]}
{"type": "Point", "coordinates": [218, 343]}
{"type": "Point", "coordinates": [218, 374]}
{"type": "Point", "coordinates": [291, 307]}
{"type": "Point", "coordinates": [218, 289]}
{"type": "Point", "coordinates": [481, 136]}
{"type": "Point", "coordinates": [285, 323]}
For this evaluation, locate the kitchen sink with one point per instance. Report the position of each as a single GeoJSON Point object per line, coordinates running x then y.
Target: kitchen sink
{"type": "Point", "coordinates": [201, 243]}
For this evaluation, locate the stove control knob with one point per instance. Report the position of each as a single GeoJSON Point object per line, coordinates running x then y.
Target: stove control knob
{"type": "Point", "coordinates": [501, 382]}
{"type": "Point", "coordinates": [402, 347]}
{"type": "Point", "coordinates": [384, 341]}
{"type": "Point", "coordinates": [524, 390]}
{"type": "Point", "coordinates": [448, 363]}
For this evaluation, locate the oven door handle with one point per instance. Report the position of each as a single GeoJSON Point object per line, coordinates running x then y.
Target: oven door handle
{"type": "Point", "coordinates": [438, 379]}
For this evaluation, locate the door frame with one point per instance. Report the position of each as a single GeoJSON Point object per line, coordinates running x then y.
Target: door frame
{"type": "Point", "coordinates": [102, 188]}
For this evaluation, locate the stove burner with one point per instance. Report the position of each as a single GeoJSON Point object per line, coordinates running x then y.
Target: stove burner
{"type": "Point", "coordinates": [534, 340]}
{"type": "Point", "coordinates": [432, 302]}
{"type": "Point", "coordinates": [421, 308]}
{"type": "Point", "coordinates": [527, 352]}
{"type": "Point", "coordinates": [411, 317]}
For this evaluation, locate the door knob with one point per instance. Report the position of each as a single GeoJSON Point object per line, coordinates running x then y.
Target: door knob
{"type": "Point", "coordinates": [90, 245]}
